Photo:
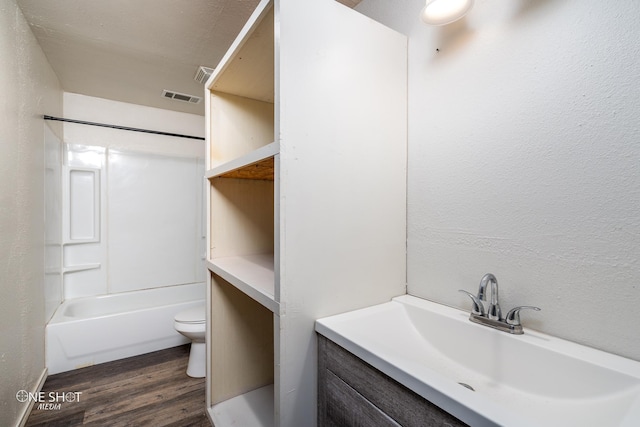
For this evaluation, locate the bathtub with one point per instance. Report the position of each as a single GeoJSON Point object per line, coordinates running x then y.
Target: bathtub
{"type": "Point", "coordinates": [92, 330]}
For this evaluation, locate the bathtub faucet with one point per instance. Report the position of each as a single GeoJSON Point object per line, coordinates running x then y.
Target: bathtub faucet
{"type": "Point", "coordinates": [487, 311]}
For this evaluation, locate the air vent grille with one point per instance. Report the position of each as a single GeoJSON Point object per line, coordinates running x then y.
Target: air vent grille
{"type": "Point", "coordinates": [181, 96]}
{"type": "Point", "coordinates": [203, 74]}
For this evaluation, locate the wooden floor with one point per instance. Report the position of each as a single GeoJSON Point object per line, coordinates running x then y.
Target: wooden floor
{"type": "Point", "coordinates": [148, 390]}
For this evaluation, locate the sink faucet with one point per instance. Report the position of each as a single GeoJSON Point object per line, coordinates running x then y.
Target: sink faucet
{"type": "Point", "coordinates": [488, 313]}
{"type": "Point", "coordinates": [493, 310]}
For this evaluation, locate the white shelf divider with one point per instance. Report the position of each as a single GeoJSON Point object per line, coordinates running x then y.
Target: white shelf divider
{"type": "Point", "coordinates": [255, 156]}
{"type": "Point", "coordinates": [251, 274]}
{"type": "Point", "coordinates": [252, 409]}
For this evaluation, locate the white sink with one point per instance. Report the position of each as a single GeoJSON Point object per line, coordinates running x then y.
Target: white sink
{"type": "Point", "coordinates": [519, 380]}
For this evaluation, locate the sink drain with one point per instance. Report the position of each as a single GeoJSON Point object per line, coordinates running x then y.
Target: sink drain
{"type": "Point", "coordinates": [467, 386]}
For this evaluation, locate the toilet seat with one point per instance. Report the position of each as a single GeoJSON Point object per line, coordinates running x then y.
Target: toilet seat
{"type": "Point", "coordinates": [193, 315]}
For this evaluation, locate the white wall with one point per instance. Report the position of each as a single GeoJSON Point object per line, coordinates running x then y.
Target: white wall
{"type": "Point", "coordinates": [524, 156]}
{"type": "Point", "coordinates": [29, 89]}
{"type": "Point", "coordinates": [150, 230]}
{"type": "Point", "coordinates": [88, 108]}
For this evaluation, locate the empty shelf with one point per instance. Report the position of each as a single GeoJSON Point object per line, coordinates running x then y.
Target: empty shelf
{"type": "Point", "coordinates": [251, 274]}
{"type": "Point", "coordinates": [252, 409]}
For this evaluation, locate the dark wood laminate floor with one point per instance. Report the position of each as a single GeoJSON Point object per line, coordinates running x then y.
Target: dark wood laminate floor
{"type": "Point", "coordinates": [148, 390]}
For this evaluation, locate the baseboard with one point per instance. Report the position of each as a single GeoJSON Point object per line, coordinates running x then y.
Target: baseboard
{"type": "Point", "coordinates": [27, 409]}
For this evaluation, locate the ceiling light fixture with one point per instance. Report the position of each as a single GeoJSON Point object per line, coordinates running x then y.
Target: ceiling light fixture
{"type": "Point", "coordinates": [443, 12]}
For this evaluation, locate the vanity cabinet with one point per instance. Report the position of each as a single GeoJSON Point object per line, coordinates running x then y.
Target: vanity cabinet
{"type": "Point", "coordinates": [352, 393]}
{"type": "Point", "coordinates": [306, 175]}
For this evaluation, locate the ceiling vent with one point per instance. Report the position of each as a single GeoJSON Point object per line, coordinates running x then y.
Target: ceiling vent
{"type": "Point", "coordinates": [203, 74]}
{"type": "Point", "coordinates": [181, 96]}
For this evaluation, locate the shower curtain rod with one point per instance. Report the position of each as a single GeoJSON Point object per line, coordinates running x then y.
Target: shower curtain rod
{"type": "Point", "coordinates": [155, 132]}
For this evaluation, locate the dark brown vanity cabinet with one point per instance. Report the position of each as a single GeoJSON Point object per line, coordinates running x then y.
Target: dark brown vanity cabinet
{"type": "Point", "coordinates": [352, 393]}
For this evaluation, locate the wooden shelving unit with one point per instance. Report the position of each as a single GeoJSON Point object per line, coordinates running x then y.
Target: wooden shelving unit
{"type": "Point", "coordinates": [241, 173]}
{"type": "Point", "coordinates": [307, 102]}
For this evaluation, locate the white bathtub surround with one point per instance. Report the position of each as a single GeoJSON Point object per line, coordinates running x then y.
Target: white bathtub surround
{"type": "Point", "coordinates": [53, 292]}
{"type": "Point", "coordinates": [92, 330]}
{"type": "Point", "coordinates": [155, 220]}
{"type": "Point", "coordinates": [523, 160]}
{"type": "Point", "coordinates": [132, 220]}
{"type": "Point", "coordinates": [136, 199]}
{"type": "Point", "coordinates": [525, 380]}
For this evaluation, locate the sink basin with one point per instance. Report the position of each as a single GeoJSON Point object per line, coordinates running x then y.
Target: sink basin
{"type": "Point", "coordinates": [486, 377]}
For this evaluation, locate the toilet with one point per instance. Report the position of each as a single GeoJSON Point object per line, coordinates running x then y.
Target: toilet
{"type": "Point", "coordinates": [191, 324]}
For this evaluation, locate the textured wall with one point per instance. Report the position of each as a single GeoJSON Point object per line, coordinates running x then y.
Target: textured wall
{"type": "Point", "coordinates": [524, 160]}
{"type": "Point", "coordinates": [29, 89]}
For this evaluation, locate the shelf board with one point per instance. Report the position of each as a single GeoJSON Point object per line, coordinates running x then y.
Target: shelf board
{"type": "Point", "coordinates": [252, 409]}
{"type": "Point", "coordinates": [257, 164]}
{"type": "Point", "coordinates": [251, 274]}
{"type": "Point", "coordinates": [262, 170]}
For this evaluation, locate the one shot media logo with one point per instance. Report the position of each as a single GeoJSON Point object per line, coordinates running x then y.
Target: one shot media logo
{"type": "Point", "coordinates": [51, 400]}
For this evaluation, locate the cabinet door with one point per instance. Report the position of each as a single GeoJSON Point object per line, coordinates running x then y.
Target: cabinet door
{"type": "Point", "coordinates": [345, 407]}
{"type": "Point", "coordinates": [338, 369]}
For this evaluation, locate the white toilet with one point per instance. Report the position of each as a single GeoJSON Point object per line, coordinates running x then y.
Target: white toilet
{"type": "Point", "coordinates": [191, 324]}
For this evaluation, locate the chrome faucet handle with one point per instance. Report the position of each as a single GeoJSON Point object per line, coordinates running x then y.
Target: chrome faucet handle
{"type": "Point", "coordinates": [478, 308]}
{"type": "Point", "coordinates": [513, 316]}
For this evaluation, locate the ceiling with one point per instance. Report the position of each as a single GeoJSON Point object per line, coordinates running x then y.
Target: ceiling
{"type": "Point", "coordinates": [132, 50]}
